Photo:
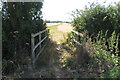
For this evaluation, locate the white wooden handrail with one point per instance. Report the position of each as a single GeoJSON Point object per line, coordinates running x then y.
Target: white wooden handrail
{"type": "Point", "coordinates": [81, 35]}
{"type": "Point", "coordinates": [36, 34]}
{"type": "Point", "coordinates": [34, 47]}
{"type": "Point", "coordinates": [39, 43]}
{"type": "Point", "coordinates": [78, 33]}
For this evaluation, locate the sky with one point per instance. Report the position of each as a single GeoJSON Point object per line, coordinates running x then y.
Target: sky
{"type": "Point", "coordinates": [54, 10]}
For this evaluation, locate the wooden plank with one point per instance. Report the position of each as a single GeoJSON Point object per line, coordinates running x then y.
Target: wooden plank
{"type": "Point", "coordinates": [83, 36]}
{"type": "Point", "coordinates": [32, 46]}
{"type": "Point", "coordinates": [39, 53]}
{"type": "Point", "coordinates": [77, 33]}
{"type": "Point", "coordinates": [39, 43]}
{"type": "Point", "coordinates": [36, 34]}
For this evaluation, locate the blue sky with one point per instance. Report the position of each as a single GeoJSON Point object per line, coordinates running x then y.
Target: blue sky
{"type": "Point", "coordinates": [61, 9]}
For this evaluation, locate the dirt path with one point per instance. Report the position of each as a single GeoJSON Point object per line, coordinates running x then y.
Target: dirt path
{"type": "Point", "coordinates": [49, 64]}
{"type": "Point", "coordinates": [61, 32]}
{"type": "Point", "coordinates": [59, 37]}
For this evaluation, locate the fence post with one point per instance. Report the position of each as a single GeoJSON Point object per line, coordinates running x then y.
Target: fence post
{"type": "Point", "coordinates": [32, 48]}
{"type": "Point", "coordinates": [84, 40]}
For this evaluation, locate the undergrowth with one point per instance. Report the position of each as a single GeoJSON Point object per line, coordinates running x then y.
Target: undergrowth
{"type": "Point", "coordinates": [104, 61]}
{"type": "Point", "coordinates": [107, 55]}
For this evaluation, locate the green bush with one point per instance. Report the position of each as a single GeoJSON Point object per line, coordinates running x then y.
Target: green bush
{"type": "Point", "coordinates": [103, 27]}
{"type": "Point", "coordinates": [96, 17]}
{"type": "Point", "coordinates": [109, 63]}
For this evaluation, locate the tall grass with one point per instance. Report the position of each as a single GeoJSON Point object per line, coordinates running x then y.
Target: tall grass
{"type": "Point", "coordinates": [104, 59]}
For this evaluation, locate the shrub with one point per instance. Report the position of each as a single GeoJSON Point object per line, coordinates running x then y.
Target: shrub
{"type": "Point", "coordinates": [108, 63]}
{"type": "Point", "coordinates": [96, 17]}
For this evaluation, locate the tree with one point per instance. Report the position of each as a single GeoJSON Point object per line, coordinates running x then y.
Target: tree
{"type": "Point", "coordinates": [19, 20]}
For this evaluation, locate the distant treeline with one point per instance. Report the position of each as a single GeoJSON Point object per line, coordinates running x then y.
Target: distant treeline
{"type": "Point", "coordinates": [57, 21]}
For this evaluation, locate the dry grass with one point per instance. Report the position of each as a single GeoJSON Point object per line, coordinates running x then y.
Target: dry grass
{"type": "Point", "coordinates": [50, 64]}
{"type": "Point", "coordinates": [58, 31]}
{"type": "Point", "coordinates": [65, 27]}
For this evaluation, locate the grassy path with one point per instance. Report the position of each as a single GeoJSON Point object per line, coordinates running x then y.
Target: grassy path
{"type": "Point", "coordinates": [58, 34]}
{"type": "Point", "coordinates": [50, 62]}
{"type": "Point", "coordinates": [55, 53]}
{"type": "Point", "coordinates": [59, 60]}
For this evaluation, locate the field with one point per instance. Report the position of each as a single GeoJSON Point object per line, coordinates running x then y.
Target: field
{"type": "Point", "coordinates": [58, 31]}
{"type": "Point", "coordinates": [52, 24]}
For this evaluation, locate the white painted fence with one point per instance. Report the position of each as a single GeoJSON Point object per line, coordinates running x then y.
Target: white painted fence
{"type": "Point", "coordinates": [77, 37]}
{"type": "Point", "coordinates": [34, 47]}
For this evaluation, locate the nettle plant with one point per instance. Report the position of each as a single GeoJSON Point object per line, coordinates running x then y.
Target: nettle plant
{"type": "Point", "coordinates": [107, 54]}
{"type": "Point", "coordinates": [109, 44]}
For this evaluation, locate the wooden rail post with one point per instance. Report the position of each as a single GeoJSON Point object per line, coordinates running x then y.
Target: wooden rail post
{"type": "Point", "coordinates": [84, 39]}
{"type": "Point", "coordinates": [32, 48]}
{"type": "Point", "coordinates": [38, 45]}
{"type": "Point", "coordinates": [82, 54]}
